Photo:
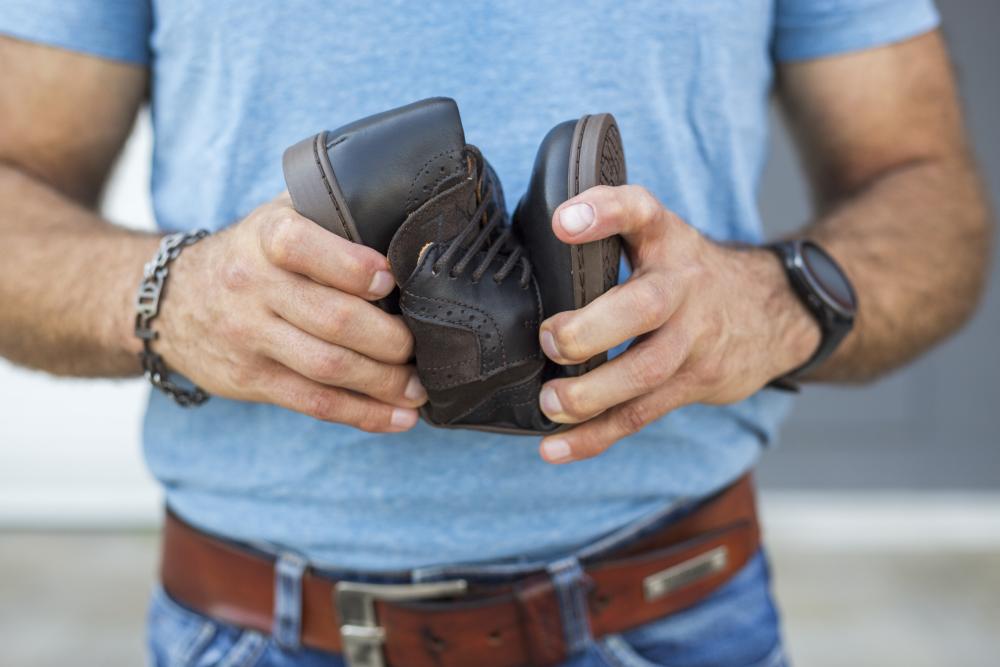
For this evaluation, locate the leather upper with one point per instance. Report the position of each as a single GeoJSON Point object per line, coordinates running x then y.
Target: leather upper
{"type": "Point", "coordinates": [387, 165]}
{"type": "Point", "coordinates": [476, 340]}
{"type": "Point", "coordinates": [547, 189]}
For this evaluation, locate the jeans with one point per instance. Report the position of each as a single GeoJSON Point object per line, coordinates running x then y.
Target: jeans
{"type": "Point", "coordinates": [736, 626]}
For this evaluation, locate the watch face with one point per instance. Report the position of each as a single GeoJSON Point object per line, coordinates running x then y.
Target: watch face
{"type": "Point", "coordinates": [824, 273]}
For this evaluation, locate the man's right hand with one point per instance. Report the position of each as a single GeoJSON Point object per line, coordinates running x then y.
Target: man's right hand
{"type": "Point", "coordinates": [277, 309]}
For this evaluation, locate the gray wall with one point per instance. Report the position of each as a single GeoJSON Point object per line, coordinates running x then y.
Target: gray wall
{"type": "Point", "coordinates": [935, 424]}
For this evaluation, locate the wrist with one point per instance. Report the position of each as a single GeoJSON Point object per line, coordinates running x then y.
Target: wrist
{"type": "Point", "coordinates": [185, 285]}
{"type": "Point", "coordinates": [151, 293]}
{"type": "Point", "coordinates": [792, 333]}
{"type": "Point", "coordinates": [119, 332]}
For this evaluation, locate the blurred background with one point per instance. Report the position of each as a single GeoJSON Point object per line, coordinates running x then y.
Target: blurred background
{"type": "Point", "coordinates": [881, 505]}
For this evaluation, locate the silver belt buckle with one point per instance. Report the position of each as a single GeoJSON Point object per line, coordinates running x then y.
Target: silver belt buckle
{"type": "Point", "coordinates": [361, 636]}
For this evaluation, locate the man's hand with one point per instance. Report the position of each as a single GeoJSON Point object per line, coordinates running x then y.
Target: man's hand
{"type": "Point", "coordinates": [901, 208]}
{"type": "Point", "coordinates": [713, 324]}
{"type": "Point", "coordinates": [273, 309]}
{"type": "Point", "coordinates": [277, 309]}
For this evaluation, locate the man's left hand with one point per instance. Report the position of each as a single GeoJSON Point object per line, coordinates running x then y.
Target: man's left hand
{"type": "Point", "coordinates": [712, 323]}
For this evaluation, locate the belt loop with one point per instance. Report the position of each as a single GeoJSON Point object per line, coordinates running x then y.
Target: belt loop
{"type": "Point", "coordinates": [288, 572]}
{"type": "Point", "coordinates": [571, 586]}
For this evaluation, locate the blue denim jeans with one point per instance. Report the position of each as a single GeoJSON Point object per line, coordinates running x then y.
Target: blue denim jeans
{"type": "Point", "coordinates": [736, 626]}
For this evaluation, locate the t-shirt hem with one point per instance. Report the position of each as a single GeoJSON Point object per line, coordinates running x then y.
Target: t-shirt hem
{"type": "Point", "coordinates": [890, 23]}
{"type": "Point", "coordinates": [66, 43]}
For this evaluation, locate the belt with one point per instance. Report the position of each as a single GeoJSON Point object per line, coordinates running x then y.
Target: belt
{"type": "Point", "coordinates": [456, 623]}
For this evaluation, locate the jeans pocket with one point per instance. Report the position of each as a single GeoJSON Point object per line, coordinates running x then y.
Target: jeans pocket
{"type": "Point", "coordinates": [179, 637]}
{"type": "Point", "coordinates": [736, 626]}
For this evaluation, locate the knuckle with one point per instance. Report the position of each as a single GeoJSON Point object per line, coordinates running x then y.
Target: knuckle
{"type": "Point", "coordinates": [713, 328]}
{"type": "Point", "coordinates": [359, 263]}
{"type": "Point", "coordinates": [567, 336]}
{"type": "Point", "coordinates": [613, 206]}
{"type": "Point", "coordinates": [403, 352]}
{"type": "Point", "coordinates": [244, 375]}
{"type": "Point", "coordinates": [650, 301]}
{"type": "Point", "coordinates": [574, 399]}
{"type": "Point", "coordinates": [587, 446]}
{"type": "Point", "coordinates": [396, 377]}
{"type": "Point", "coordinates": [235, 276]}
{"type": "Point", "coordinates": [399, 340]}
{"type": "Point", "coordinates": [235, 329]}
{"type": "Point", "coordinates": [710, 371]}
{"type": "Point", "coordinates": [282, 240]}
{"type": "Point", "coordinates": [645, 206]}
{"type": "Point", "coordinates": [632, 417]}
{"type": "Point", "coordinates": [321, 405]}
{"type": "Point", "coordinates": [605, 196]}
{"type": "Point", "coordinates": [336, 319]}
{"type": "Point", "coordinates": [328, 367]}
{"type": "Point", "coordinates": [372, 420]}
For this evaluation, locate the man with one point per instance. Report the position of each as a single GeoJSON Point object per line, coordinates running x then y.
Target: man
{"type": "Point", "coordinates": [273, 316]}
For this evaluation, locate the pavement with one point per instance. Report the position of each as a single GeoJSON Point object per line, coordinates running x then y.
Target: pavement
{"type": "Point", "coordinates": [78, 598]}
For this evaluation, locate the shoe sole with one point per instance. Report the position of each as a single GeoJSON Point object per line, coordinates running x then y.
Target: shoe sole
{"type": "Point", "coordinates": [597, 157]}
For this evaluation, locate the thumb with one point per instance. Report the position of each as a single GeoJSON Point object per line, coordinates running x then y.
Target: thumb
{"type": "Point", "coordinates": [603, 211]}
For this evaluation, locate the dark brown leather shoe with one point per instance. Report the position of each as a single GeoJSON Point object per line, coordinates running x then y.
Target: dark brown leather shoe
{"type": "Point", "coordinates": [574, 156]}
{"type": "Point", "coordinates": [405, 183]}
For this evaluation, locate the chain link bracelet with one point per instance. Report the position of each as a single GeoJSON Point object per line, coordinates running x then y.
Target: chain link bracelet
{"type": "Point", "coordinates": [147, 307]}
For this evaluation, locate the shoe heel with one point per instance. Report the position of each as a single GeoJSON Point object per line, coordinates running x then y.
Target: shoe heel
{"type": "Point", "coordinates": [316, 195]}
{"type": "Point", "coordinates": [314, 189]}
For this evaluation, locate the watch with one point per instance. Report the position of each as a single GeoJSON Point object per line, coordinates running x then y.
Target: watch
{"type": "Point", "coordinates": [825, 291]}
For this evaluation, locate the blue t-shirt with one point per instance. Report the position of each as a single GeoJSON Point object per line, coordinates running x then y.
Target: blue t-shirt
{"type": "Point", "coordinates": [234, 83]}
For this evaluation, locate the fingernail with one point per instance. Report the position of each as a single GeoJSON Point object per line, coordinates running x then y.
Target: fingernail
{"type": "Point", "coordinates": [415, 390]}
{"type": "Point", "coordinates": [402, 418]}
{"type": "Point", "coordinates": [556, 451]}
{"type": "Point", "coordinates": [382, 283]}
{"type": "Point", "coordinates": [550, 402]}
{"type": "Point", "coordinates": [576, 218]}
{"type": "Point", "coordinates": [548, 342]}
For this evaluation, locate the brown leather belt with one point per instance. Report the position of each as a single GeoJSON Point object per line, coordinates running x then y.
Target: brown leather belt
{"type": "Point", "coordinates": [494, 625]}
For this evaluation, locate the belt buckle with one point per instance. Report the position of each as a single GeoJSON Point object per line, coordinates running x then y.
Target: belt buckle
{"type": "Point", "coordinates": [362, 638]}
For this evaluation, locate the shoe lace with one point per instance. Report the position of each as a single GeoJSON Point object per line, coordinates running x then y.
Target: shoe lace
{"type": "Point", "coordinates": [493, 235]}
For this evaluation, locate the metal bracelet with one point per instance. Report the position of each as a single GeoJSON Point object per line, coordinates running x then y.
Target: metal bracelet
{"type": "Point", "coordinates": [147, 307]}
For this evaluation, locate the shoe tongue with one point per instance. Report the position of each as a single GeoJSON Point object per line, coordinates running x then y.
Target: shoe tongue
{"type": "Point", "coordinates": [438, 221]}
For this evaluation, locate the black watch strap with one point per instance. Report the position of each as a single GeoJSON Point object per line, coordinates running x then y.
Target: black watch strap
{"type": "Point", "coordinates": [826, 292]}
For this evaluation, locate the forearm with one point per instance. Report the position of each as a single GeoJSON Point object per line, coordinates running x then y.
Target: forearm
{"type": "Point", "coordinates": [67, 282]}
{"type": "Point", "coordinates": [916, 245]}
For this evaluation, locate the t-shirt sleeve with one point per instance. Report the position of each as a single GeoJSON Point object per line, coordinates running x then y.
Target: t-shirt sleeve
{"type": "Point", "coordinates": [115, 29]}
{"type": "Point", "coordinates": [806, 29]}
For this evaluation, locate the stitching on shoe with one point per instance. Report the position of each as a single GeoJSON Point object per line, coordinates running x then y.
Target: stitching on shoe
{"type": "Point", "coordinates": [578, 253]}
{"type": "Point", "coordinates": [329, 192]}
{"type": "Point", "coordinates": [497, 404]}
{"type": "Point", "coordinates": [411, 200]}
{"type": "Point", "coordinates": [447, 366]}
{"type": "Point", "coordinates": [496, 327]}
